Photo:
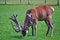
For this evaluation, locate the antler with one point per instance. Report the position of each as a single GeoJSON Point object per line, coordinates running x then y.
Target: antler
{"type": "Point", "coordinates": [14, 20]}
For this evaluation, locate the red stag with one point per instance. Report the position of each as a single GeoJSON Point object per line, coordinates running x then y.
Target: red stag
{"type": "Point", "coordinates": [40, 13]}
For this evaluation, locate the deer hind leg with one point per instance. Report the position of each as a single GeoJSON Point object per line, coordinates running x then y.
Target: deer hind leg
{"type": "Point", "coordinates": [50, 25]}
{"type": "Point", "coordinates": [52, 28]}
{"type": "Point", "coordinates": [46, 21]}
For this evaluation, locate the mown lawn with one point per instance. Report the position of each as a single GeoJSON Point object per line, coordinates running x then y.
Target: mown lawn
{"type": "Point", "coordinates": [7, 33]}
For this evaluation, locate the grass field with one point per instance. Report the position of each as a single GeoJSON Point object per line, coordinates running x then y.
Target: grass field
{"type": "Point", "coordinates": [7, 33]}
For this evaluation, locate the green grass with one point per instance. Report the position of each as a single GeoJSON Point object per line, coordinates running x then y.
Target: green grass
{"type": "Point", "coordinates": [7, 33]}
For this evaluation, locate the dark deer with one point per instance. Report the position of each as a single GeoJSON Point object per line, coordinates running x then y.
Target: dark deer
{"type": "Point", "coordinates": [40, 13]}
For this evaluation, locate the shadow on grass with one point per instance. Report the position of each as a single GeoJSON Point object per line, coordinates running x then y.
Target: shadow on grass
{"type": "Point", "coordinates": [17, 37]}
{"type": "Point", "coordinates": [20, 36]}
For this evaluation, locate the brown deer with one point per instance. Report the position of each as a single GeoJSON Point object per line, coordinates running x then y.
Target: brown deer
{"type": "Point", "coordinates": [40, 13]}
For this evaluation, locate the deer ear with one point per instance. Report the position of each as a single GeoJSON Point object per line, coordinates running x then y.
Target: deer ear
{"type": "Point", "coordinates": [29, 15]}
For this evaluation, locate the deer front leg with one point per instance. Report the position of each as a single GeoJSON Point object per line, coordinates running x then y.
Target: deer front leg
{"type": "Point", "coordinates": [34, 29]}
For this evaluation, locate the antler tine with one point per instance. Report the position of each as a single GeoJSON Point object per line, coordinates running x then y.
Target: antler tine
{"type": "Point", "coordinates": [13, 17]}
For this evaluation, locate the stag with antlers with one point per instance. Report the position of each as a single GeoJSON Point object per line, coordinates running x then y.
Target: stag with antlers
{"type": "Point", "coordinates": [40, 13]}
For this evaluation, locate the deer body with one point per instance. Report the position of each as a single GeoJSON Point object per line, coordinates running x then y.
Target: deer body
{"type": "Point", "coordinates": [40, 13]}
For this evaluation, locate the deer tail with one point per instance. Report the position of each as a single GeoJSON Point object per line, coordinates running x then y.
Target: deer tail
{"type": "Point", "coordinates": [52, 9]}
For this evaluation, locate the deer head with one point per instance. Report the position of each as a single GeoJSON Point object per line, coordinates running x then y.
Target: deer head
{"type": "Point", "coordinates": [16, 26]}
